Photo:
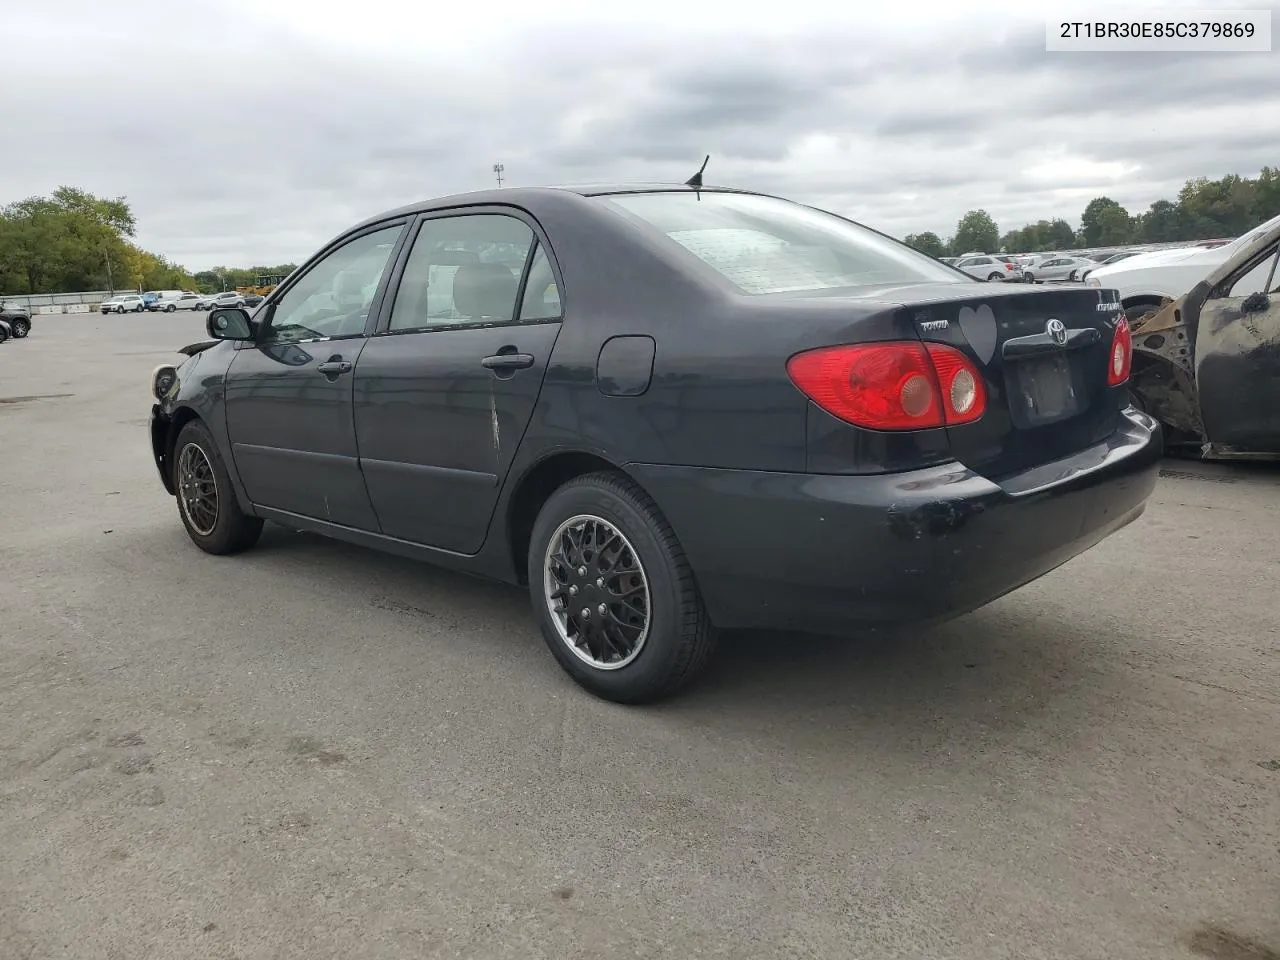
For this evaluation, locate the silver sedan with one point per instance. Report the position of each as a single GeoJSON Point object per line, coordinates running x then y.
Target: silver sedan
{"type": "Point", "coordinates": [1058, 268]}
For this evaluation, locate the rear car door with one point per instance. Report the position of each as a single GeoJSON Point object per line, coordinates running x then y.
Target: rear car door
{"type": "Point", "coordinates": [288, 396]}
{"type": "Point", "coordinates": [445, 388]}
{"type": "Point", "coordinates": [1237, 356]}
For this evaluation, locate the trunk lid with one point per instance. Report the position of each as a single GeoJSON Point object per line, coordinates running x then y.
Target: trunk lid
{"type": "Point", "coordinates": [1047, 394]}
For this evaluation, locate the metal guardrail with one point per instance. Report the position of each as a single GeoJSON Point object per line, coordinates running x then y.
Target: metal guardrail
{"type": "Point", "coordinates": [86, 301]}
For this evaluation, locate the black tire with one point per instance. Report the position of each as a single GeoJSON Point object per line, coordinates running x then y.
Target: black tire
{"type": "Point", "coordinates": [230, 530]}
{"type": "Point", "coordinates": [138, 309]}
{"type": "Point", "coordinates": [169, 308]}
{"type": "Point", "coordinates": [992, 278]}
{"type": "Point", "coordinates": [1072, 276]}
{"type": "Point", "coordinates": [20, 327]}
{"type": "Point", "coordinates": [1029, 277]}
{"type": "Point", "coordinates": [678, 639]}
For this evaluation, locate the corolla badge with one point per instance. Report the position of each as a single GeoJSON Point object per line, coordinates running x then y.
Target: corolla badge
{"type": "Point", "coordinates": [1057, 331]}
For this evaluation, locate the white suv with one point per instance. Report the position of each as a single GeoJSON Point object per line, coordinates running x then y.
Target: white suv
{"type": "Point", "coordinates": [125, 303]}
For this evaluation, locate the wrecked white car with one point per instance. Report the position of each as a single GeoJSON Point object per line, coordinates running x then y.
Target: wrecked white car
{"type": "Point", "coordinates": [1207, 365]}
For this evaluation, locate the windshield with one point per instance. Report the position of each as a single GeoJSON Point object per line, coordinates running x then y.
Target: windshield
{"type": "Point", "coordinates": [765, 245]}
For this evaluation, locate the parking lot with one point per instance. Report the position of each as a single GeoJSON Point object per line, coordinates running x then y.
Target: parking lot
{"type": "Point", "coordinates": [314, 750]}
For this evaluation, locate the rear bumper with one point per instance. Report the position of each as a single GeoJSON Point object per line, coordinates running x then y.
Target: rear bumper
{"type": "Point", "coordinates": [828, 553]}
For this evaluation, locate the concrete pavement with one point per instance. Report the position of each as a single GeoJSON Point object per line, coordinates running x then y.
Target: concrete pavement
{"type": "Point", "coordinates": [317, 751]}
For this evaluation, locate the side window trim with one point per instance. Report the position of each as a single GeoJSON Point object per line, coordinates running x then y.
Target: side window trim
{"type": "Point", "coordinates": [383, 327]}
{"type": "Point", "coordinates": [298, 275]}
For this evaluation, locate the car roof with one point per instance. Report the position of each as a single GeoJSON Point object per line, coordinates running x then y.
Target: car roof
{"type": "Point", "coordinates": [519, 196]}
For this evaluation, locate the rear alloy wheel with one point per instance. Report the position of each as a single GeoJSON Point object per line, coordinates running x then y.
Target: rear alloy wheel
{"type": "Point", "coordinates": [994, 277]}
{"type": "Point", "coordinates": [1029, 277]}
{"type": "Point", "coordinates": [20, 327]}
{"type": "Point", "coordinates": [206, 502]}
{"type": "Point", "coordinates": [614, 593]}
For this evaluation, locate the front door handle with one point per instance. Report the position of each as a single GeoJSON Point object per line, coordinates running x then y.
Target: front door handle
{"type": "Point", "coordinates": [334, 366]}
{"type": "Point", "coordinates": [508, 361]}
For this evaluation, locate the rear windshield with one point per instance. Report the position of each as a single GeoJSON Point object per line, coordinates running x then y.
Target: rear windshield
{"type": "Point", "coordinates": [765, 245]}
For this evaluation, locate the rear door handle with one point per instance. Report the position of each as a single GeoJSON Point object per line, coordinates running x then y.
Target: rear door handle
{"type": "Point", "coordinates": [508, 361]}
{"type": "Point", "coordinates": [332, 368]}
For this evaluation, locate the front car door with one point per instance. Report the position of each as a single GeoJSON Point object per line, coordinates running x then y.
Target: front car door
{"type": "Point", "coordinates": [445, 388]}
{"type": "Point", "coordinates": [1237, 355]}
{"type": "Point", "coordinates": [289, 393]}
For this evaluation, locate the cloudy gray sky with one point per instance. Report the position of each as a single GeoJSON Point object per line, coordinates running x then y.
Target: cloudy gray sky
{"type": "Point", "coordinates": [250, 131]}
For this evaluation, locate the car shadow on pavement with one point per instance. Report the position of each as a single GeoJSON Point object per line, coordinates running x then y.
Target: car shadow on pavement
{"type": "Point", "coordinates": [1008, 665]}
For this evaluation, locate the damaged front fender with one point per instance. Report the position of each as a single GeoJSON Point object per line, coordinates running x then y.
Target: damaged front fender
{"type": "Point", "coordinates": [1163, 377]}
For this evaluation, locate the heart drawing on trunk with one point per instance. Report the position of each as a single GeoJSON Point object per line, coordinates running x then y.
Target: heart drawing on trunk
{"type": "Point", "coordinates": [979, 328]}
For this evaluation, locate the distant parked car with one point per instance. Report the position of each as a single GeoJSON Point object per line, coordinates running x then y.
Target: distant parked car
{"type": "Point", "coordinates": [155, 299]}
{"type": "Point", "coordinates": [1109, 259]}
{"type": "Point", "coordinates": [211, 301]}
{"type": "Point", "coordinates": [253, 299]}
{"type": "Point", "coordinates": [987, 268]}
{"type": "Point", "coordinates": [179, 301]}
{"type": "Point", "coordinates": [1058, 268]}
{"type": "Point", "coordinates": [1013, 266]}
{"type": "Point", "coordinates": [17, 321]}
{"type": "Point", "coordinates": [125, 303]}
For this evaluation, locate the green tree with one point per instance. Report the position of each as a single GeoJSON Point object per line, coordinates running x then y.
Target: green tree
{"type": "Point", "coordinates": [1101, 213]}
{"type": "Point", "coordinates": [927, 243]}
{"type": "Point", "coordinates": [976, 231]}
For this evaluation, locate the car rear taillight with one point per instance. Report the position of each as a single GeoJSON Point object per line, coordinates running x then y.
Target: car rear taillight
{"type": "Point", "coordinates": [1121, 357]}
{"type": "Point", "coordinates": [892, 386]}
{"type": "Point", "coordinates": [1008, 266]}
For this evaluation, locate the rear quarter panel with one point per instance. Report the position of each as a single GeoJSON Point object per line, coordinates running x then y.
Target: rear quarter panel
{"type": "Point", "coordinates": [719, 395]}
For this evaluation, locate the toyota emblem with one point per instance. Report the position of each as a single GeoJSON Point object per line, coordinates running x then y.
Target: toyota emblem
{"type": "Point", "coordinates": [1057, 331]}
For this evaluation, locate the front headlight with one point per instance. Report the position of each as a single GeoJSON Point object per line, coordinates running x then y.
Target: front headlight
{"type": "Point", "coordinates": [1093, 281]}
{"type": "Point", "coordinates": [164, 381]}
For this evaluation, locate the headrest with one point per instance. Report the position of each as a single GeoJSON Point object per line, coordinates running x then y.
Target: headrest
{"type": "Point", "coordinates": [485, 291]}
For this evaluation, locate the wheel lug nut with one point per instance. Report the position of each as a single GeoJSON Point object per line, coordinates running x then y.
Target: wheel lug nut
{"type": "Point", "coordinates": [573, 591]}
{"type": "Point", "coordinates": [600, 582]}
{"type": "Point", "coordinates": [603, 609]}
{"type": "Point", "coordinates": [586, 613]}
{"type": "Point", "coordinates": [582, 571]}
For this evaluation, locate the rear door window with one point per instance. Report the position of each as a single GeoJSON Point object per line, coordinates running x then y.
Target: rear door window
{"type": "Point", "coordinates": [468, 269]}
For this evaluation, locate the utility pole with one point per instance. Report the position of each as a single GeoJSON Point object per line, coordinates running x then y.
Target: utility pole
{"type": "Point", "coordinates": [498, 169]}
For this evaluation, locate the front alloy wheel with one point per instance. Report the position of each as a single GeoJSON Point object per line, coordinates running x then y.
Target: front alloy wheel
{"type": "Point", "coordinates": [597, 592]}
{"type": "Point", "coordinates": [20, 328]}
{"type": "Point", "coordinates": [206, 501]}
{"type": "Point", "coordinates": [197, 489]}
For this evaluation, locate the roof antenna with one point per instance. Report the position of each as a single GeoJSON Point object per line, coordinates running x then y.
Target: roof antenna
{"type": "Point", "coordinates": [696, 180]}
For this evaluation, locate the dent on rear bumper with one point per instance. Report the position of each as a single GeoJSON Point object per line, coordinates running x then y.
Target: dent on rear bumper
{"type": "Point", "coordinates": [829, 553]}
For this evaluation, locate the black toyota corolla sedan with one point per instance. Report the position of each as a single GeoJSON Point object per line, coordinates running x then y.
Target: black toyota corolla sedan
{"type": "Point", "coordinates": [667, 410]}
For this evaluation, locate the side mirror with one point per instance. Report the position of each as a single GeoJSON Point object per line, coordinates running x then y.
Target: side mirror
{"type": "Point", "coordinates": [229, 323]}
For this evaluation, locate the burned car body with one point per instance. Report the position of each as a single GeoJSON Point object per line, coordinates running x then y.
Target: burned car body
{"type": "Point", "coordinates": [1207, 365]}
